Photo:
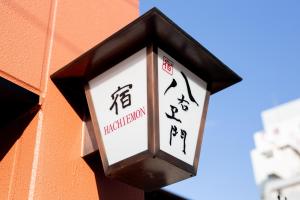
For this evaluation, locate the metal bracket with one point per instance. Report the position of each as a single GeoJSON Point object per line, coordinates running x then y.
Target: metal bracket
{"type": "Point", "coordinates": [88, 140]}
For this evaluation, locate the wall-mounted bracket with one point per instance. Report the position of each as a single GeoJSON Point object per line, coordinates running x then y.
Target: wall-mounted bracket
{"type": "Point", "coordinates": [88, 140]}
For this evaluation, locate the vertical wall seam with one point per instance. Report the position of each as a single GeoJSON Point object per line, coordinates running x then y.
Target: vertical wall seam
{"type": "Point", "coordinates": [13, 171]}
{"type": "Point", "coordinates": [48, 50]}
{"type": "Point", "coordinates": [35, 156]}
{"type": "Point", "coordinates": [46, 67]}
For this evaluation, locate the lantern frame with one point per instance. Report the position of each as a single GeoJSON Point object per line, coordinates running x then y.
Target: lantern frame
{"type": "Point", "coordinates": [153, 158]}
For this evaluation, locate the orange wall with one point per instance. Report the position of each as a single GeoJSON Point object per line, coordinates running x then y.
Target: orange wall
{"type": "Point", "coordinates": [37, 38]}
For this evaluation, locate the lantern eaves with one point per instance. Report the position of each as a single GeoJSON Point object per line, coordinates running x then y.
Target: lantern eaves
{"type": "Point", "coordinates": [152, 27]}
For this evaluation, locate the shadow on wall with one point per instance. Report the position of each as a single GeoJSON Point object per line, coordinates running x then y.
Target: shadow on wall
{"type": "Point", "coordinates": [18, 106]}
{"type": "Point", "coordinates": [10, 133]}
{"type": "Point", "coordinates": [107, 187]}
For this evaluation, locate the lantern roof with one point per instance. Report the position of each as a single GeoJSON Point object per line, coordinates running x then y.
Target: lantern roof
{"type": "Point", "coordinates": [151, 28]}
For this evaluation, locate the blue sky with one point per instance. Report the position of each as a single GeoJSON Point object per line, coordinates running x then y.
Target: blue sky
{"type": "Point", "coordinates": [260, 40]}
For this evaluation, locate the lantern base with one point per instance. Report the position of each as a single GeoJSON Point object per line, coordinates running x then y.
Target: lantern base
{"type": "Point", "coordinates": [150, 173]}
{"type": "Point", "coordinates": [144, 171]}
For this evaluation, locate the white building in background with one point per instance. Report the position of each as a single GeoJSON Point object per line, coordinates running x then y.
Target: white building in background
{"type": "Point", "coordinates": [276, 158]}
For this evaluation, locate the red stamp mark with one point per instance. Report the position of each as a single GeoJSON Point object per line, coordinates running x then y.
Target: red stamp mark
{"type": "Point", "coordinates": [167, 65]}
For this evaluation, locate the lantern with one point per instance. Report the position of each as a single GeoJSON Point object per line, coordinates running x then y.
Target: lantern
{"type": "Point", "coordinates": [146, 89]}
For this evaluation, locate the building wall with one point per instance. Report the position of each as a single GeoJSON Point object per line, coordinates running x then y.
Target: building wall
{"type": "Point", "coordinates": [37, 38]}
{"type": "Point", "coordinates": [276, 157]}
{"type": "Point", "coordinates": [285, 188]}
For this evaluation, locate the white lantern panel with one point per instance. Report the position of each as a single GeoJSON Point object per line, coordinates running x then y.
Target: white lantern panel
{"type": "Point", "coordinates": [181, 101]}
{"type": "Point", "coordinates": [119, 96]}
